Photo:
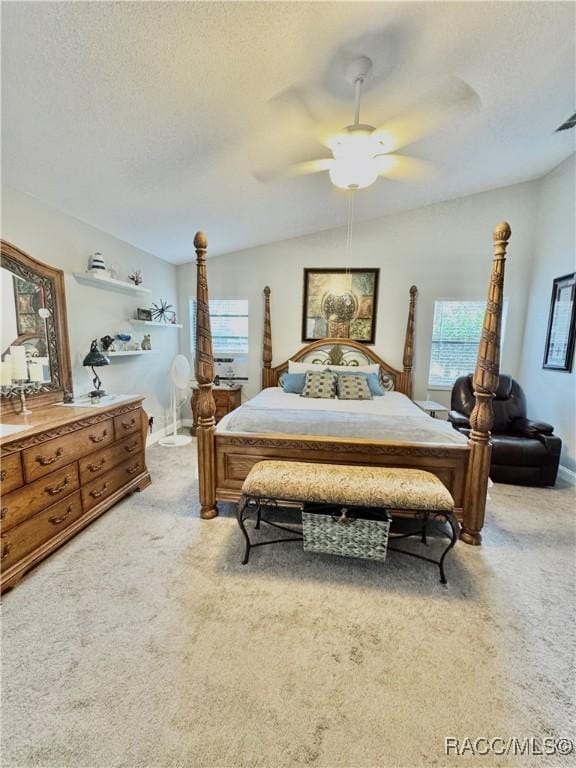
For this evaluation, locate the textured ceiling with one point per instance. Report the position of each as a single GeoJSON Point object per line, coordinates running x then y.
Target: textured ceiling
{"type": "Point", "coordinates": [145, 119]}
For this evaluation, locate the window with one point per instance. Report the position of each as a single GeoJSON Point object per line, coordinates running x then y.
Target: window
{"type": "Point", "coordinates": [229, 324]}
{"type": "Point", "coordinates": [455, 337]}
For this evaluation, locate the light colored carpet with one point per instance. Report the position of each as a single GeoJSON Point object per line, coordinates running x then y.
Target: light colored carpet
{"type": "Point", "coordinates": [144, 642]}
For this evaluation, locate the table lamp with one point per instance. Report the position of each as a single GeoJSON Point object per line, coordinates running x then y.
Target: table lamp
{"type": "Point", "coordinates": [95, 359]}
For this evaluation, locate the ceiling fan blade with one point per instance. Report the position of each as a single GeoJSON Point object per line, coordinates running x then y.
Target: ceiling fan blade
{"type": "Point", "coordinates": [292, 109]}
{"type": "Point", "coordinates": [403, 168]}
{"type": "Point", "coordinates": [433, 110]}
{"type": "Point", "coordinates": [296, 169]}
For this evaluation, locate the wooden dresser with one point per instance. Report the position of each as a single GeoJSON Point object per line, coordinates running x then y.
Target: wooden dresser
{"type": "Point", "coordinates": [68, 467]}
{"type": "Point", "coordinates": [226, 399]}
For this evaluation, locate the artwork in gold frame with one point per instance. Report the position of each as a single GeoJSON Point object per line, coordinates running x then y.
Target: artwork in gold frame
{"type": "Point", "coordinates": [340, 304]}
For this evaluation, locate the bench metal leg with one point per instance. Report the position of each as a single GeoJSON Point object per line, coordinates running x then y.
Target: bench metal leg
{"type": "Point", "coordinates": [245, 506]}
{"type": "Point", "coordinates": [453, 523]}
{"type": "Point", "coordinates": [242, 505]}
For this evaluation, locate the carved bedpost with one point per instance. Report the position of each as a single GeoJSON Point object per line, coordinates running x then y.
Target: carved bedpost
{"type": "Point", "coordinates": [204, 370]}
{"type": "Point", "coordinates": [267, 342]}
{"type": "Point", "coordinates": [485, 380]}
{"type": "Point", "coordinates": [408, 359]}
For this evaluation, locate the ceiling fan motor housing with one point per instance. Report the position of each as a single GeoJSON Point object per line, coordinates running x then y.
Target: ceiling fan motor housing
{"type": "Point", "coordinates": [358, 69]}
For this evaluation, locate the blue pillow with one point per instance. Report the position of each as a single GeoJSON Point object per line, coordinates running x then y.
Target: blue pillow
{"type": "Point", "coordinates": [373, 380]}
{"type": "Point", "coordinates": [293, 382]}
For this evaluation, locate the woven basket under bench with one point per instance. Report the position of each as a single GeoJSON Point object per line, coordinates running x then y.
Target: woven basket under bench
{"type": "Point", "coordinates": [363, 498]}
{"type": "Point", "coordinates": [349, 533]}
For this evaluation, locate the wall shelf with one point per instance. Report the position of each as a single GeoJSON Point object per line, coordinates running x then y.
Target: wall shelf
{"type": "Point", "coordinates": [154, 323]}
{"type": "Point", "coordinates": [109, 284]}
{"type": "Point", "coordinates": [130, 352]}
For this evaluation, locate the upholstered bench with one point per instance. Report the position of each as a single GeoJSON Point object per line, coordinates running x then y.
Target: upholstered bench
{"type": "Point", "coordinates": [392, 491]}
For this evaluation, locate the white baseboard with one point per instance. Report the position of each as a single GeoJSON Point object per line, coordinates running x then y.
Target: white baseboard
{"type": "Point", "coordinates": [567, 474]}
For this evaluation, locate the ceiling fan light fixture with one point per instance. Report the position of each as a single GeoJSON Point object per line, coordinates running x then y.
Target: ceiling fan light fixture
{"type": "Point", "coordinates": [353, 172]}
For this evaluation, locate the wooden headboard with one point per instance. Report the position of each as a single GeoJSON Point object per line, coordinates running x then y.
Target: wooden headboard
{"type": "Point", "coordinates": [345, 352]}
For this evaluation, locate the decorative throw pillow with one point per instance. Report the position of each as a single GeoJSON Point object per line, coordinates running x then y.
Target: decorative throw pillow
{"type": "Point", "coordinates": [293, 382]}
{"type": "Point", "coordinates": [353, 388]}
{"type": "Point", "coordinates": [320, 385]}
{"type": "Point", "coordinates": [372, 379]}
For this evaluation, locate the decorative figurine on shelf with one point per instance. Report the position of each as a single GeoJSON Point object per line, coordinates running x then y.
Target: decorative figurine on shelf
{"type": "Point", "coordinates": [173, 318]}
{"type": "Point", "coordinates": [146, 343]}
{"type": "Point", "coordinates": [113, 271]}
{"type": "Point", "coordinates": [106, 342]}
{"type": "Point", "coordinates": [97, 265]}
{"type": "Point", "coordinates": [136, 347]}
{"type": "Point", "coordinates": [162, 312]}
{"type": "Point", "coordinates": [123, 338]}
{"type": "Point", "coordinates": [135, 277]}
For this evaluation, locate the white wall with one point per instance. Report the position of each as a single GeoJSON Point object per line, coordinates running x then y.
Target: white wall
{"type": "Point", "coordinates": [551, 394]}
{"type": "Point", "coordinates": [66, 243]}
{"type": "Point", "coordinates": [445, 249]}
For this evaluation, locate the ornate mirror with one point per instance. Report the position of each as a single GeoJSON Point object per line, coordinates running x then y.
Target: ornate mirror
{"type": "Point", "coordinates": [34, 350]}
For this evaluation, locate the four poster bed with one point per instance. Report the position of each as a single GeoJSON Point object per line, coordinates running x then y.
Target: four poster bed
{"type": "Point", "coordinates": [279, 426]}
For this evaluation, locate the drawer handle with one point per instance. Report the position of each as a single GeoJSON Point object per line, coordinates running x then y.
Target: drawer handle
{"type": "Point", "coordinates": [3, 474]}
{"type": "Point", "coordinates": [133, 469]}
{"type": "Point", "coordinates": [3, 512]}
{"type": "Point", "coordinates": [97, 494]}
{"type": "Point", "coordinates": [46, 460]}
{"type": "Point", "coordinates": [6, 550]}
{"type": "Point", "coordinates": [96, 467]}
{"type": "Point", "coordinates": [54, 490]}
{"type": "Point", "coordinates": [128, 424]}
{"type": "Point", "coordinates": [55, 520]}
{"type": "Point", "coordinates": [130, 448]}
{"type": "Point", "coordinates": [98, 438]}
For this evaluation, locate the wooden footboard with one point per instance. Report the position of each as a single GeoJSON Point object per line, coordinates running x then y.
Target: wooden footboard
{"type": "Point", "coordinates": [237, 453]}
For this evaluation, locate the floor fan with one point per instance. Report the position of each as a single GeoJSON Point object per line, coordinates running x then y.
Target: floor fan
{"type": "Point", "coordinates": [180, 372]}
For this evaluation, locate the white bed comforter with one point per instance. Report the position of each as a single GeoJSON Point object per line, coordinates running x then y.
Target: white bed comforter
{"type": "Point", "coordinates": [390, 417]}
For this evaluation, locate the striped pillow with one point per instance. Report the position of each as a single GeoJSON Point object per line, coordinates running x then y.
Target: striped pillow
{"type": "Point", "coordinates": [320, 385]}
{"type": "Point", "coordinates": [353, 388]}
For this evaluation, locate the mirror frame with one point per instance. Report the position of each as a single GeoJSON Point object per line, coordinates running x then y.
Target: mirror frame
{"type": "Point", "coordinates": [20, 263]}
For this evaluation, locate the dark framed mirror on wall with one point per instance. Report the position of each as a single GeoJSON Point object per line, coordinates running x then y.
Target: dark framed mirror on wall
{"type": "Point", "coordinates": [34, 347]}
{"type": "Point", "coordinates": [559, 350]}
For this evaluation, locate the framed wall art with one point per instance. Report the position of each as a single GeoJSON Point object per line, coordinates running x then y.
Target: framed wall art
{"type": "Point", "coordinates": [559, 350]}
{"type": "Point", "coordinates": [340, 304]}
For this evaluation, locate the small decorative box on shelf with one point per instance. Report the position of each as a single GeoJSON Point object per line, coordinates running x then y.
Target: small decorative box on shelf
{"type": "Point", "coordinates": [109, 283]}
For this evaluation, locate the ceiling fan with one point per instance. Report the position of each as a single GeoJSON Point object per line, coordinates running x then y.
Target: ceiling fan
{"type": "Point", "coordinates": [360, 153]}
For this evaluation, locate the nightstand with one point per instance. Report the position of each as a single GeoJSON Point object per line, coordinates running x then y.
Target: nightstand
{"type": "Point", "coordinates": [226, 398]}
{"type": "Point", "coordinates": [431, 407]}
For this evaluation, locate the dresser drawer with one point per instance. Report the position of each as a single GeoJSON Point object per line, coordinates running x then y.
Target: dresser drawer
{"type": "Point", "coordinates": [98, 490]}
{"type": "Point", "coordinates": [97, 464]}
{"type": "Point", "coordinates": [11, 472]}
{"type": "Point", "coordinates": [46, 457]}
{"type": "Point", "coordinates": [24, 502]}
{"type": "Point", "coordinates": [24, 538]}
{"type": "Point", "coordinates": [127, 423]}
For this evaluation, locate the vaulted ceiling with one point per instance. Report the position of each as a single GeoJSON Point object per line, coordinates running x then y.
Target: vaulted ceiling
{"type": "Point", "coordinates": [147, 119]}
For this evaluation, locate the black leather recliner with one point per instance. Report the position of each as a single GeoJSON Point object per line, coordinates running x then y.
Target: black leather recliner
{"type": "Point", "coordinates": [524, 452]}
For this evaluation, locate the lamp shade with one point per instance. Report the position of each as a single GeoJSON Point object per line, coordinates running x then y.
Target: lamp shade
{"type": "Point", "coordinates": [95, 358]}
